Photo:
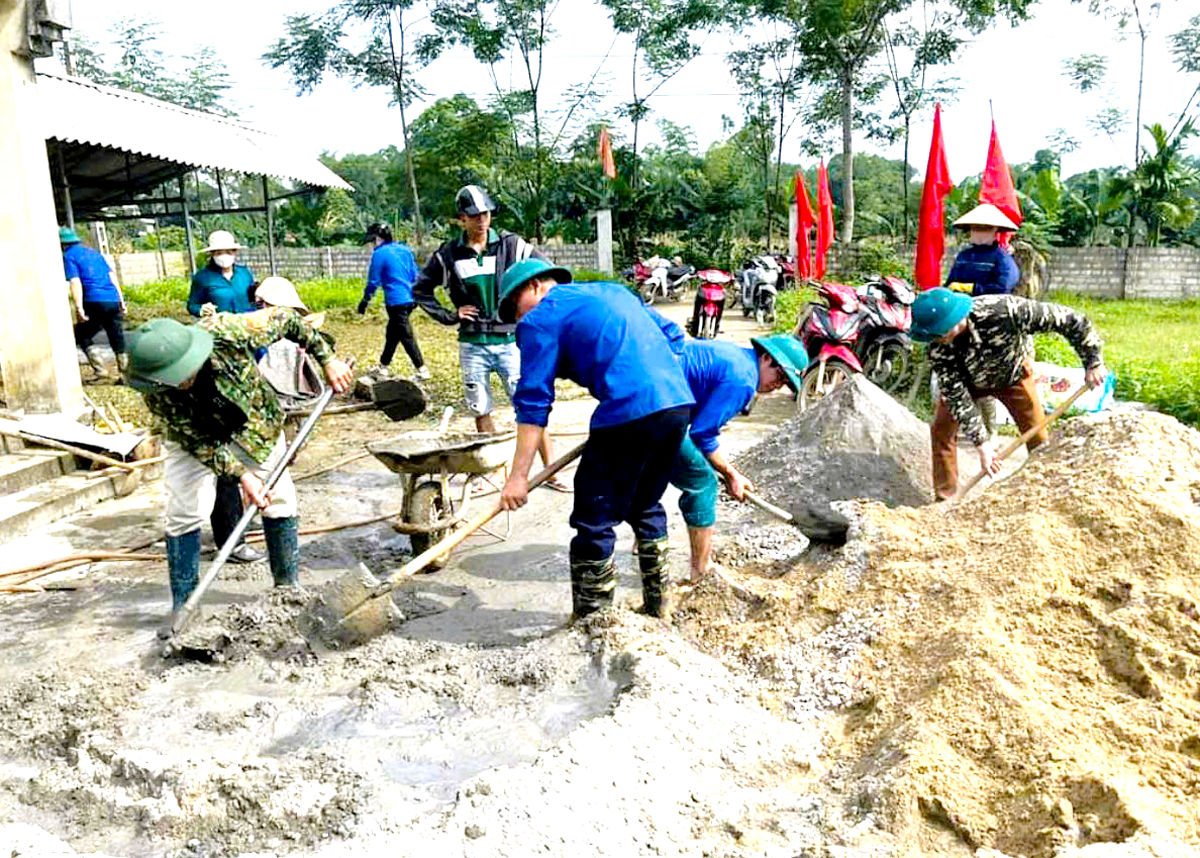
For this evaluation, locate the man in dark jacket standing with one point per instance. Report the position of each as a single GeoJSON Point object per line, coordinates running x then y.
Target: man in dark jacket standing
{"type": "Point", "coordinates": [471, 268]}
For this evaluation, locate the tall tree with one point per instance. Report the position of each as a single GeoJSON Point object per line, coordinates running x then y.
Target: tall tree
{"type": "Point", "coordinates": [1161, 189]}
{"type": "Point", "coordinates": [1185, 47]}
{"type": "Point", "coordinates": [393, 51]}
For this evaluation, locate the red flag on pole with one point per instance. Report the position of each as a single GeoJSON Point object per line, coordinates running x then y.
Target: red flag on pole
{"type": "Point", "coordinates": [804, 223]}
{"type": "Point", "coordinates": [997, 185]}
{"type": "Point", "coordinates": [931, 233]}
{"type": "Point", "coordinates": [607, 164]}
{"type": "Point", "coordinates": [824, 220]}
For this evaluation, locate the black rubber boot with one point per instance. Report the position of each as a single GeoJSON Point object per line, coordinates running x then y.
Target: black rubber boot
{"type": "Point", "coordinates": [283, 549]}
{"type": "Point", "coordinates": [592, 585]}
{"type": "Point", "coordinates": [183, 566]}
{"type": "Point", "coordinates": [652, 560]}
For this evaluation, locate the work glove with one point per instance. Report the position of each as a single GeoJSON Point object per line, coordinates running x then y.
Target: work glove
{"type": "Point", "coordinates": [362, 306]}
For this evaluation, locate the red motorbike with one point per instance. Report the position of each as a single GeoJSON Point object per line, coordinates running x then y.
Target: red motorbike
{"type": "Point", "coordinates": [710, 302]}
{"type": "Point", "coordinates": [884, 345]}
{"type": "Point", "coordinates": [787, 272]}
{"type": "Point", "coordinates": [830, 333]}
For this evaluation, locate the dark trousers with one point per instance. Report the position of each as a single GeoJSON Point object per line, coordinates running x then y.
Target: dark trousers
{"type": "Point", "coordinates": [1022, 402]}
{"type": "Point", "coordinates": [400, 332]}
{"type": "Point", "coordinates": [622, 475]}
{"type": "Point", "coordinates": [105, 315]}
{"type": "Point", "coordinates": [227, 509]}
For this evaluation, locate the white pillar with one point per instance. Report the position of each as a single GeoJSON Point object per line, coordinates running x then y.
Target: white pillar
{"type": "Point", "coordinates": [604, 249]}
{"type": "Point", "coordinates": [41, 373]}
{"type": "Point", "coordinates": [793, 222]}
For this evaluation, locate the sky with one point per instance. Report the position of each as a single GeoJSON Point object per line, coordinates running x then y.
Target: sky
{"type": "Point", "coordinates": [1015, 73]}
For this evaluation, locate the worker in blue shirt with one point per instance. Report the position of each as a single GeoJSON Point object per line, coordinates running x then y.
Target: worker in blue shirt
{"type": "Point", "coordinates": [99, 303]}
{"type": "Point", "coordinates": [984, 267]}
{"type": "Point", "coordinates": [724, 379]}
{"type": "Point", "coordinates": [393, 268]}
{"type": "Point", "coordinates": [222, 286]}
{"type": "Point", "coordinates": [600, 336]}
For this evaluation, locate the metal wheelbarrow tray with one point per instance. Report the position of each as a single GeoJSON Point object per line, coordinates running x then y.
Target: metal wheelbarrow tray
{"type": "Point", "coordinates": [426, 462]}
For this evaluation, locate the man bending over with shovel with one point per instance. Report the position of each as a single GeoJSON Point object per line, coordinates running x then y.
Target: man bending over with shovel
{"type": "Point", "coordinates": [599, 336]}
{"type": "Point", "coordinates": [220, 417]}
{"type": "Point", "coordinates": [977, 349]}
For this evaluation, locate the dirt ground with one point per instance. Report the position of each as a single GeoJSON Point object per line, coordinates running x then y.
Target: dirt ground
{"type": "Point", "coordinates": [802, 701]}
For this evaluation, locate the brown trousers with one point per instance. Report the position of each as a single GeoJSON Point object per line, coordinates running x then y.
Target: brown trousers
{"type": "Point", "coordinates": [1023, 404]}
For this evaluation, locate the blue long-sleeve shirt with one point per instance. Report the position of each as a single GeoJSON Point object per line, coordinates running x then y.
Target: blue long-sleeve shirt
{"type": "Point", "coordinates": [990, 267]}
{"type": "Point", "coordinates": [599, 336]}
{"type": "Point", "coordinates": [209, 286]}
{"type": "Point", "coordinates": [723, 378]}
{"type": "Point", "coordinates": [393, 268]}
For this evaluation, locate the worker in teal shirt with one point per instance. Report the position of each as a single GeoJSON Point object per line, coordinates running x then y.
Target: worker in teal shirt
{"type": "Point", "coordinates": [222, 283]}
{"type": "Point", "coordinates": [600, 336]}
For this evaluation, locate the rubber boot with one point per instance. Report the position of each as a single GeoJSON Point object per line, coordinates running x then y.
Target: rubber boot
{"type": "Point", "coordinates": [592, 585]}
{"type": "Point", "coordinates": [122, 365]}
{"type": "Point", "coordinates": [96, 361]}
{"type": "Point", "coordinates": [652, 560]}
{"type": "Point", "coordinates": [283, 549]}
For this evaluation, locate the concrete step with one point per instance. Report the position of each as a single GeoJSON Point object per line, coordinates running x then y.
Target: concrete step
{"type": "Point", "coordinates": [10, 445]}
{"type": "Point", "coordinates": [32, 466]}
{"type": "Point", "coordinates": [51, 500]}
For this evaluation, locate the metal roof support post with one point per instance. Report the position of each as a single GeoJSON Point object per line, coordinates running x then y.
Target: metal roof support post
{"type": "Point", "coordinates": [270, 226]}
{"type": "Point", "coordinates": [66, 186]}
{"type": "Point", "coordinates": [187, 229]}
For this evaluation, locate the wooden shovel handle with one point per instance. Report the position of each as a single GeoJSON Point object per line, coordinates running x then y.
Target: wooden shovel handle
{"type": "Point", "coordinates": [766, 506]}
{"type": "Point", "coordinates": [1029, 433]}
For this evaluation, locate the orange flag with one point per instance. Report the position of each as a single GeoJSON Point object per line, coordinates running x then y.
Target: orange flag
{"type": "Point", "coordinates": [824, 220]}
{"type": "Point", "coordinates": [931, 232]}
{"type": "Point", "coordinates": [996, 186]}
{"type": "Point", "coordinates": [607, 164]}
{"type": "Point", "coordinates": [804, 222]}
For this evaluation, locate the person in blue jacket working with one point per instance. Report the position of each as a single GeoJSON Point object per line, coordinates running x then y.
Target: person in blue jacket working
{"type": "Point", "coordinates": [394, 268]}
{"type": "Point", "coordinates": [601, 337]}
{"type": "Point", "coordinates": [98, 301]}
{"type": "Point", "coordinates": [984, 267]}
{"type": "Point", "coordinates": [222, 283]}
{"type": "Point", "coordinates": [724, 379]}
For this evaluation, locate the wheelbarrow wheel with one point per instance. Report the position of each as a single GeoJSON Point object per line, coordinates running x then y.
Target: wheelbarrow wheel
{"type": "Point", "coordinates": [428, 507]}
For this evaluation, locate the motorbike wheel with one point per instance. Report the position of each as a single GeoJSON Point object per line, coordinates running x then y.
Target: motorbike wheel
{"type": "Point", "coordinates": [708, 327]}
{"type": "Point", "coordinates": [647, 293]}
{"type": "Point", "coordinates": [820, 380]}
{"type": "Point", "coordinates": [764, 313]}
{"type": "Point", "coordinates": [887, 365]}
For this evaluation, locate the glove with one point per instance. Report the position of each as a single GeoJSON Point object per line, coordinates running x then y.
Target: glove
{"type": "Point", "coordinates": [362, 306]}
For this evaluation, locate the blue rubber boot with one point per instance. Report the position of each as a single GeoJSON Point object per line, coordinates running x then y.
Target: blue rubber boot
{"type": "Point", "coordinates": [283, 549]}
{"type": "Point", "coordinates": [183, 566]}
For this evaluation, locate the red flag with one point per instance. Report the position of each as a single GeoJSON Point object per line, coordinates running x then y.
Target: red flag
{"type": "Point", "coordinates": [997, 185]}
{"type": "Point", "coordinates": [607, 164]}
{"type": "Point", "coordinates": [824, 220]}
{"type": "Point", "coordinates": [804, 222]}
{"type": "Point", "coordinates": [931, 232]}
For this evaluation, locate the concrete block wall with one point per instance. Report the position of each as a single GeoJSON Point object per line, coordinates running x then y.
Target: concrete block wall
{"type": "Point", "coordinates": [135, 268]}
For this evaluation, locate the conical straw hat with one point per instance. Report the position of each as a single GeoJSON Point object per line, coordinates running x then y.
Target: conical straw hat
{"type": "Point", "coordinates": [986, 215]}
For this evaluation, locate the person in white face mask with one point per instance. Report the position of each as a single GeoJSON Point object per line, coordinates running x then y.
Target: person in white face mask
{"type": "Point", "coordinates": [223, 286]}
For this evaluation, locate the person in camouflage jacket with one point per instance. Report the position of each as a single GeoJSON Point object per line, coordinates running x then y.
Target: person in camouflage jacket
{"type": "Point", "coordinates": [978, 348]}
{"type": "Point", "coordinates": [220, 417]}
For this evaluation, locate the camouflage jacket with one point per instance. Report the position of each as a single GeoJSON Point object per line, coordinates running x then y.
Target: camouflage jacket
{"type": "Point", "coordinates": [990, 354]}
{"type": "Point", "coordinates": [182, 418]}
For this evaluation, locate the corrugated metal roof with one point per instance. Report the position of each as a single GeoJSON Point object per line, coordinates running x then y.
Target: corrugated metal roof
{"type": "Point", "coordinates": [75, 110]}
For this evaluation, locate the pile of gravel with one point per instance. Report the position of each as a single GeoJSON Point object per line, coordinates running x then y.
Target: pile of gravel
{"type": "Point", "coordinates": [857, 442]}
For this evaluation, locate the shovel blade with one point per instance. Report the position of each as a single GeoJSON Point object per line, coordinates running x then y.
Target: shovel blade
{"type": "Point", "coordinates": [821, 523]}
{"type": "Point", "coordinates": [329, 619]}
{"type": "Point", "coordinates": [398, 398]}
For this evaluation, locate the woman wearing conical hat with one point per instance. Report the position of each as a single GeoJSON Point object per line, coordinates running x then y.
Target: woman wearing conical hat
{"type": "Point", "coordinates": [984, 267]}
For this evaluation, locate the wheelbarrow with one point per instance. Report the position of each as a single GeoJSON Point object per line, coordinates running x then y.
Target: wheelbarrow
{"type": "Point", "coordinates": [427, 462]}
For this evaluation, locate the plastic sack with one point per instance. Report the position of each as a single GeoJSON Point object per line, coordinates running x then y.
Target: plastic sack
{"type": "Point", "coordinates": [1055, 385]}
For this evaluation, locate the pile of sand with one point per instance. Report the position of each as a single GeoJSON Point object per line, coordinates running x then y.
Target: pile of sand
{"type": "Point", "coordinates": [857, 442]}
{"type": "Point", "coordinates": [1021, 672]}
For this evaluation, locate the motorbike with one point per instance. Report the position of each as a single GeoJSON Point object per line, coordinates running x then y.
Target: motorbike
{"type": "Point", "coordinates": [637, 275]}
{"type": "Point", "coordinates": [710, 302]}
{"type": "Point", "coordinates": [759, 288]}
{"type": "Point", "coordinates": [666, 283]}
{"type": "Point", "coordinates": [830, 333]}
{"type": "Point", "coordinates": [884, 346]}
{"type": "Point", "coordinates": [787, 271]}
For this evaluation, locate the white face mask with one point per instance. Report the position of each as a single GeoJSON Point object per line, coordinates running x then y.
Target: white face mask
{"type": "Point", "coordinates": [224, 260]}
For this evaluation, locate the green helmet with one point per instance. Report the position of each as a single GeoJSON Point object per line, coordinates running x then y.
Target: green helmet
{"type": "Point", "coordinates": [936, 311]}
{"type": "Point", "coordinates": [66, 235]}
{"type": "Point", "coordinates": [789, 353]}
{"type": "Point", "coordinates": [520, 274]}
{"type": "Point", "coordinates": [163, 351]}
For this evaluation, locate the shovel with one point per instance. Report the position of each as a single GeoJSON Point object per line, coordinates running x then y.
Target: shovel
{"type": "Point", "coordinates": [398, 403]}
{"type": "Point", "coordinates": [1029, 433]}
{"type": "Point", "coordinates": [826, 526]}
{"type": "Point", "coordinates": [349, 610]}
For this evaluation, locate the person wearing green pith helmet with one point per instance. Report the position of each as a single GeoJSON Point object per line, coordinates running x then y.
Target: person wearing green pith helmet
{"type": "Point", "coordinates": [221, 418]}
{"type": "Point", "coordinates": [977, 349]}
